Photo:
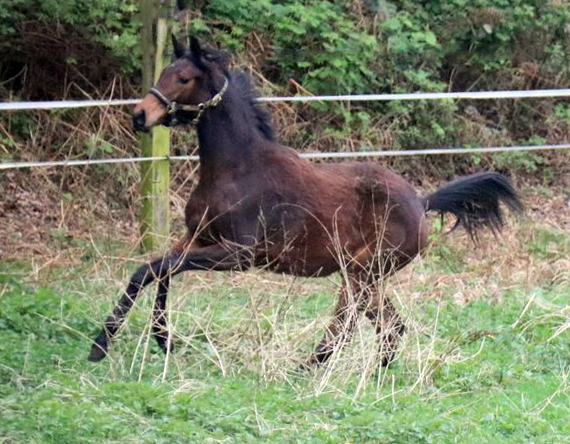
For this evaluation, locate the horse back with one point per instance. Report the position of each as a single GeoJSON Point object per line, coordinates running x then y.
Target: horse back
{"type": "Point", "coordinates": [322, 212]}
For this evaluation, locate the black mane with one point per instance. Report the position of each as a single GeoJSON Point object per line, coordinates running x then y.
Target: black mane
{"type": "Point", "coordinates": [260, 115]}
{"type": "Point", "coordinates": [208, 58]}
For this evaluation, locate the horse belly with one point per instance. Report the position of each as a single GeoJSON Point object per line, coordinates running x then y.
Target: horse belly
{"type": "Point", "coordinates": [301, 264]}
{"type": "Point", "coordinates": [308, 254]}
{"type": "Point", "coordinates": [318, 249]}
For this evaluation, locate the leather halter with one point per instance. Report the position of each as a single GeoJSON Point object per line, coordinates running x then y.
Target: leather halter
{"type": "Point", "coordinates": [172, 107]}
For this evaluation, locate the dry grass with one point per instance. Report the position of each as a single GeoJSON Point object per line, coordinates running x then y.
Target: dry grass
{"type": "Point", "coordinates": [62, 220]}
{"type": "Point", "coordinates": [487, 329]}
{"type": "Point", "coordinates": [266, 324]}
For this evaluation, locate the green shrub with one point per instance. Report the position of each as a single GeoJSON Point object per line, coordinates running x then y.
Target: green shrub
{"type": "Point", "coordinates": [110, 23]}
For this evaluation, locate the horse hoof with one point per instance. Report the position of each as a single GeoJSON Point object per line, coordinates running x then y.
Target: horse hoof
{"type": "Point", "coordinates": [387, 359]}
{"type": "Point", "coordinates": [97, 353]}
{"type": "Point", "coordinates": [310, 364]}
{"type": "Point", "coordinates": [167, 350]}
{"type": "Point", "coordinates": [305, 367]}
{"type": "Point", "coordinates": [162, 344]}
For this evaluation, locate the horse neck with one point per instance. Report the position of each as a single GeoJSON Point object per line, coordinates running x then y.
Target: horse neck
{"type": "Point", "coordinates": [227, 137]}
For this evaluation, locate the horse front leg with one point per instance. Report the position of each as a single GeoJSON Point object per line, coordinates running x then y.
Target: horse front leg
{"type": "Point", "coordinates": [215, 257]}
{"type": "Point", "coordinates": [144, 275]}
{"type": "Point", "coordinates": [160, 318]}
{"type": "Point", "coordinates": [160, 329]}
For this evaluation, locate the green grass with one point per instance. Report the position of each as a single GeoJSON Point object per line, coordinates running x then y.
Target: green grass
{"type": "Point", "coordinates": [489, 366]}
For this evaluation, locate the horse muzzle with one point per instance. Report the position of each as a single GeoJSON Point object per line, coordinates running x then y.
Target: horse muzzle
{"type": "Point", "coordinates": [139, 122]}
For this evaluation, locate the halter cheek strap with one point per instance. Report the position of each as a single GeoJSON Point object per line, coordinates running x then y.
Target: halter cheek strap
{"type": "Point", "coordinates": [172, 107]}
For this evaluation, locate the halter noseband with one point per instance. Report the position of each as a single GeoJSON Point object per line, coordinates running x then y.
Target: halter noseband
{"type": "Point", "coordinates": [172, 107]}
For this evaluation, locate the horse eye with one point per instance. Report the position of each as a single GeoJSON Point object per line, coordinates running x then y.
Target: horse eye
{"type": "Point", "coordinates": [183, 80]}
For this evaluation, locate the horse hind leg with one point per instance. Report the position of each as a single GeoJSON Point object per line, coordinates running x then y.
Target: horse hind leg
{"type": "Point", "coordinates": [339, 332]}
{"type": "Point", "coordinates": [388, 324]}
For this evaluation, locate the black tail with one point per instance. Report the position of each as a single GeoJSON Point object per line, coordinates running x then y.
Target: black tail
{"type": "Point", "coordinates": [474, 200]}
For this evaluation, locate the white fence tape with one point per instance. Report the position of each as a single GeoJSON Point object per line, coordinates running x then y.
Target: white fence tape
{"type": "Point", "coordinates": [341, 155]}
{"type": "Point", "coordinates": [52, 163]}
{"type": "Point", "coordinates": [541, 93]}
{"type": "Point", "coordinates": [63, 104]}
{"type": "Point", "coordinates": [21, 106]}
{"type": "Point", "coordinates": [425, 96]}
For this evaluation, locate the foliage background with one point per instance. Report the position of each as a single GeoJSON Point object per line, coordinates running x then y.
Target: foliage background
{"type": "Point", "coordinates": [486, 355]}
{"type": "Point", "coordinates": [79, 49]}
{"type": "Point", "coordinates": [76, 48]}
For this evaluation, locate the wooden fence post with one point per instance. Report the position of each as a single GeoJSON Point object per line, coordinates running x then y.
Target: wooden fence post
{"type": "Point", "coordinates": [155, 175]}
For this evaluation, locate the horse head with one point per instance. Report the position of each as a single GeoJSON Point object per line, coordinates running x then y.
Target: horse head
{"type": "Point", "coordinates": [193, 82]}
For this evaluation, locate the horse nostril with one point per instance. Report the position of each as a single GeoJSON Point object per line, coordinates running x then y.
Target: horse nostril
{"type": "Point", "coordinates": [139, 120]}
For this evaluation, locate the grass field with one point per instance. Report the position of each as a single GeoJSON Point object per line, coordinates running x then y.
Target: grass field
{"type": "Point", "coordinates": [486, 358]}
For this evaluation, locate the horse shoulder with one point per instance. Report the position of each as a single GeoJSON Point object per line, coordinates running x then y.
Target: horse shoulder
{"type": "Point", "coordinates": [196, 213]}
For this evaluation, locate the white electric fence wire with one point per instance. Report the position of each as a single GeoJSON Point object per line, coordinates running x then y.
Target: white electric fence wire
{"type": "Point", "coordinates": [337, 155]}
{"type": "Point", "coordinates": [63, 104]}
{"type": "Point", "coordinates": [425, 96]}
{"type": "Point", "coordinates": [541, 93]}
{"type": "Point", "coordinates": [20, 106]}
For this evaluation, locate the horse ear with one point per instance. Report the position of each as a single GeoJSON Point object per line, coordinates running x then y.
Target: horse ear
{"type": "Point", "coordinates": [195, 48]}
{"type": "Point", "coordinates": [223, 59]}
{"type": "Point", "coordinates": [179, 49]}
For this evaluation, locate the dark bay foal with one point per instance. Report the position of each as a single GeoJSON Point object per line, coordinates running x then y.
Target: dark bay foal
{"type": "Point", "coordinates": [259, 204]}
